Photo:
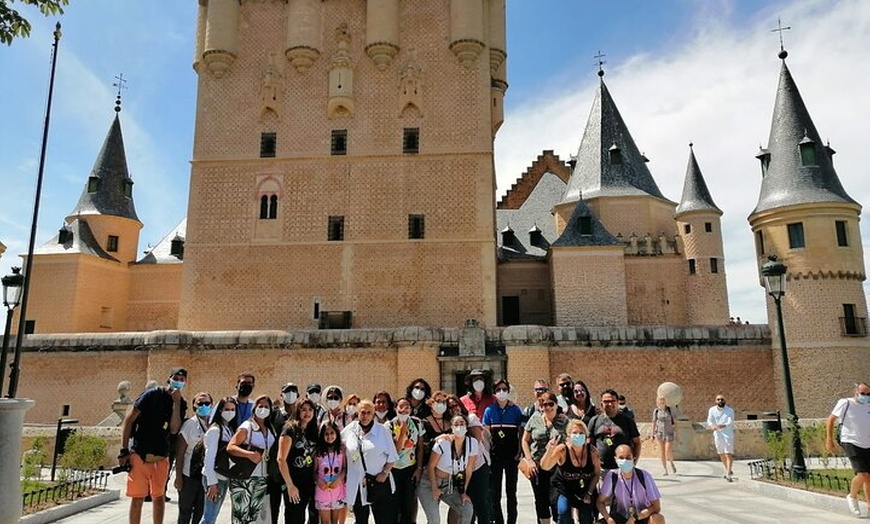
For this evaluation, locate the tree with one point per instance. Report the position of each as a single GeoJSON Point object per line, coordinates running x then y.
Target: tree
{"type": "Point", "coordinates": [13, 25]}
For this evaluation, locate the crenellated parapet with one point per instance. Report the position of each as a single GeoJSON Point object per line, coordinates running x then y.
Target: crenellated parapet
{"type": "Point", "coordinates": [467, 30]}
{"type": "Point", "coordinates": [303, 33]}
{"type": "Point", "coordinates": [650, 246]}
{"type": "Point", "coordinates": [382, 31]}
{"type": "Point", "coordinates": [220, 41]}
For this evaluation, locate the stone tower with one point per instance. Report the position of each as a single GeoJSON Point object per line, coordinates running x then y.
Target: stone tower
{"type": "Point", "coordinates": [699, 229]}
{"type": "Point", "coordinates": [81, 277]}
{"type": "Point", "coordinates": [342, 170]}
{"type": "Point", "coordinates": [806, 218]}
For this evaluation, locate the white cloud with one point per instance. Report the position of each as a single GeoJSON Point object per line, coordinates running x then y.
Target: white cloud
{"type": "Point", "coordinates": [718, 91]}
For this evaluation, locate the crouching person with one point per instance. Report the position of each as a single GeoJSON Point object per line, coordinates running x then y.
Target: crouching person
{"type": "Point", "coordinates": [629, 495]}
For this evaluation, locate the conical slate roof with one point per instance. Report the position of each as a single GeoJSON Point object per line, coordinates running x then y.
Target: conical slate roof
{"type": "Point", "coordinates": [595, 235]}
{"type": "Point", "coordinates": [80, 240]}
{"type": "Point", "coordinates": [595, 174]}
{"type": "Point", "coordinates": [788, 182]}
{"type": "Point", "coordinates": [696, 196]}
{"type": "Point", "coordinates": [109, 194]}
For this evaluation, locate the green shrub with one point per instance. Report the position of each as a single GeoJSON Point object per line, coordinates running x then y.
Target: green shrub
{"type": "Point", "coordinates": [83, 452]}
{"type": "Point", "coordinates": [34, 458]}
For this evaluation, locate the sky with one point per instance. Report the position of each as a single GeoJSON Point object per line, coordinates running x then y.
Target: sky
{"type": "Point", "coordinates": [680, 71]}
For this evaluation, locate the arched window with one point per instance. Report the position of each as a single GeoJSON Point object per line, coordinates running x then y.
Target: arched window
{"type": "Point", "coordinates": [268, 207]}
{"type": "Point", "coordinates": [264, 207]}
{"type": "Point", "coordinates": [273, 207]}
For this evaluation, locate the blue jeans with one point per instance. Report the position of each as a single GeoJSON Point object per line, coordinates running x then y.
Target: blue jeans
{"type": "Point", "coordinates": [584, 511]}
{"type": "Point", "coordinates": [212, 508]}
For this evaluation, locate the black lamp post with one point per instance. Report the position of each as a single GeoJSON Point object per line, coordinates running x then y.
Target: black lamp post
{"type": "Point", "coordinates": [11, 298]}
{"type": "Point", "coordinates": [774, 272]}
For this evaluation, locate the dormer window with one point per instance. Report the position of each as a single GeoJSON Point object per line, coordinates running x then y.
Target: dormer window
{"type": "Point", "coordinates": [93, 184]}
{"type": "Point", "coordinates": [764, 157]}
{"type": "Point", "coordinates": [64, 235]}
{"type": "Point", "coordinates": [176, 247]}
{"type": "Point", "coordinates": [615, 155]}
{"type": "Point", "coordinates": [536, 237]}
{"type": "Point", "coordinates": [507, 236]}
{"type": "Point", "coordinates": [128, 188]}
{"type": "Point", "coordinates": [585, 224]}
{"type": "Point", "coordinates": [808, 152]}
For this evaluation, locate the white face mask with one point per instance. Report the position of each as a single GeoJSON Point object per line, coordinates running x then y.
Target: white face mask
{"type": "Point", "coordinates": [501, 395]}
{"type": "Point", "coordinates": [291, 397]}
{"type": "Point", "coordinates": [403, 417]}
{"type": "Point", "coordinates": [418, 393]}
{"type": "Point", "coordinates": [262, 412]}
{"type": "Point", "coordinates": [381, 414]}
{"type": "Point", "coordinates": [314, 397]}
{"type": "Point", "coordinates": [439, 408]}
{"type": "Point", "coordinates": [350, 409]}
{"type": "Point", "coordinates": [228, 415]}
{"type": "Point", "coordinates": [460, 431]}
{"type": "Point", "coordinates": [332, 403]}
{"type": "Point", "coordinates": [478, 385]}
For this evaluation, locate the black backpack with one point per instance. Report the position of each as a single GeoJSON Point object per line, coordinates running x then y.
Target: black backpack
{"type": "Point", "coordinates": [197, 458]}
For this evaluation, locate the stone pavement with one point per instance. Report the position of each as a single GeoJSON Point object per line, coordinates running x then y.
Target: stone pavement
{"type": "Point", "coordinates": [697, 494]}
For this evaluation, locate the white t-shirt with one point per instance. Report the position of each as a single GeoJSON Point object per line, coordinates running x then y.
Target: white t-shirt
{"type": "Point", "coordinates": [722, 416]}
{"type": "Point", "coordinates": [856, 423]}
{"type": "Point", "coordinates": [484, 445]}
{"type": "Point", "coordinates": [455, 462]}
{"type": "Point", "coordinates": [256, 438]}
{"type": "Point", "coordinates": [192, 430]}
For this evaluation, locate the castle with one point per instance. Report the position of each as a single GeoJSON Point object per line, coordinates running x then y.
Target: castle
{"type": "Point", "coordinates": [342, 178]}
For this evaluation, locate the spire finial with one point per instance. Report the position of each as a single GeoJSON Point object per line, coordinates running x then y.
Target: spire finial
{"type": "Point", "coordinates": [600, 62]}
{"type": "Point", "coordinates": [120, 83]}
{"type": "Point", "coordinates": [779, 29]}
{"type": "Point", "coordinates": [691, 144]}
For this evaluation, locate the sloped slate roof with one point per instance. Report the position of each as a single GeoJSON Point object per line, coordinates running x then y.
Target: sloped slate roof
{"type": "Point", "coordinates": [82, 242]}
{"type": "Point", "coordinates": [161, 253]}
{"type": "Point", "coordinates": [788, 182]}
{"type": "Point", "coordinates": [696, 196]}
{"type": "Point", "coordinates": [111, 168]}
{"type": "Point", "coordinates": [594, 175]}
{"type": "Point", "coordinates": [571, 236]}
{"type": "Point", "coordinates": [535, 211]}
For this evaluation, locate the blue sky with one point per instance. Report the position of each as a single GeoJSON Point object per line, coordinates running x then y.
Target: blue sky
{"type": "Point", "coordinates": [680, 71]}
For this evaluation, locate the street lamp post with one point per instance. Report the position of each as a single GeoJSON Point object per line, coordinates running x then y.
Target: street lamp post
{"type": "Point", "coordinates": [774, 272]}
{"type": "Point", "coordinates": [11, 298]}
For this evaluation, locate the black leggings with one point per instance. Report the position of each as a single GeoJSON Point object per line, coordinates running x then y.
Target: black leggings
{"type": "Point", "coordinates": [509, 471]}
{"type": "Point", "coordinates": [541, 489]}
{"type": "Point", "coordinates": [384, 512]}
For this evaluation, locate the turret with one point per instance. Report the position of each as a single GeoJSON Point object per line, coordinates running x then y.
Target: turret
{"type": "Point", "coordinates": [497, 61]}
{"type": "Point", "coordinates": [466, 30]}
{"type": "Point", "coordinates": [303, 33]}
{"type": "Point", "coordinates": [382, 31]}
{"type": "Point", "coordinates": [699, 228]}
{"type": "Point", "coordinates": [221, 36]}
{"type": "Point", "coordinates": [806, 218]}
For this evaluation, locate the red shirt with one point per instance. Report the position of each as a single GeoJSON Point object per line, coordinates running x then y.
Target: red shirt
{"type": "Point", "coordinates": [477, 406]}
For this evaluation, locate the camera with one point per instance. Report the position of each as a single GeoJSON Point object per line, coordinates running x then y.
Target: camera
{"type": "Point", "coordinates": [459, 483]}
{"type": "Point", "coordinates": [122, 469]}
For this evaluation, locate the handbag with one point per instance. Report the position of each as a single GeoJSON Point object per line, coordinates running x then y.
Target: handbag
{"type": "Point", "coordinates": [376, 492]}
{"type": "Point", "coordinates": [232, 467]}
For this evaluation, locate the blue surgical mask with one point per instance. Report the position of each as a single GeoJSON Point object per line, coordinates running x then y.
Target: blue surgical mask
{"type": "Point", "coordinates": [176, 384]}
{"type": "Point", "coordinates": [625, 465]}
{"type": "Point", "coordinates": [578, 439]}
{"type": "Point", "coordinates": [203, 411]}
{"type": "Point", "coordinates": [863, 399]}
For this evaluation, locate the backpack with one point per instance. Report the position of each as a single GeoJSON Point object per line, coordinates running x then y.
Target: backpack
{"type": "Point", "coordinates": [840, 423]}
{"type": "Point", "coordinates": [668, 409]}
{"type": "Point", "coordinates": [639, 473]}
{"type": "Point", "coordinates": [197, 458]}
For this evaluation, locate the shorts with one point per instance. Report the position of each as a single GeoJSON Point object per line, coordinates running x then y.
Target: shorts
{"type": "Point", "coordinates": [858, 456]}
{"type": "Point", "coordinates": [147, 478]}
{"type": "Point", "coordinates": [724, 443]}
{"type": "Point", "coordinates": [335, 504]}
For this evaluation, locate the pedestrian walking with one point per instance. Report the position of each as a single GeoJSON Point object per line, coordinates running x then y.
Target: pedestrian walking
{"type": "Point", "coordinates": [854, 416]}
{"type": "Point", "coordinates": [720, 420]}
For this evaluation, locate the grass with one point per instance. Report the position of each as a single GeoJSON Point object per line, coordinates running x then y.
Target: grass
{"type": "Point", "coordinates": [825, 481]}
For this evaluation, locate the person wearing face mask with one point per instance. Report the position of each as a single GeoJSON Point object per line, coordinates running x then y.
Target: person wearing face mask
{"type": "Point", "coordinates": [384, 408]}
{"type": "Point", "coordinates": [334, 412]}
{"type": "Point", "coordinates": [370, 458]}
{"type": "Point", "coordinates": [285, 409]}
{"type": "Point", "coordinates": [296, 447]}
{"type": "Point", "coordinates": [576, 470]}
{"type": "Point", "coordinates": [539, 430]}
{"type": "Point", "coordinates": [624, 409]}
{"type": "Point", "coordinates": [313, 393]}
{"type": "Point", "coordinates": [504, 420]}
{"type": "Point", "coordinates": [854, 415]}
{"type": "Point", "coordinates": [219, 433]}
{"type": "Point", "coordinates": [188, 478]}
{"type": "Point", "coordinates": [629, 495]}
{"type": "Point", "coordinates": [350, 407]}
{"type": "Point", "coordinates": [156, 414]}
{"type": "Point", "coordinates": [253, 441]}
{"type": "Point", "coordinates": [407, 433]}
{"type": "Point", "coordinates": [244, 388]}
{"type": "Point", "coordinates": [720, 420]}
{"type": "Point", "coordinates": [418, 393]}
{"type": "Point", "coordinates": [449, 473]}
{"type": "Point", "coordinates": [479, 395]}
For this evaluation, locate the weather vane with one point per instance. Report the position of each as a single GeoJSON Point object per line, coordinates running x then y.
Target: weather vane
{"type": "Point", "coordinates": [120, 83]}
{"type": "Point", "coordinates": [599, 62]}
{"type": "Point", "coordinates": [779, 29]}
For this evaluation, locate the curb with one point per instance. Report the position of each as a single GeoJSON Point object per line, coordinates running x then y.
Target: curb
{"type": "Point", "coordinates": [72, 508]}
{"type": "Point", "coordinates": [811, 498]}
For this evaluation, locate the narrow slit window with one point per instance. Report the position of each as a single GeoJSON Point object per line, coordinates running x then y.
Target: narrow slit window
{"type": "Point", "coordinates": [268, 145]}
{"type": "Point", "coordinates": [339, 142]}
{"type": "Point", "coordinates": [708, 227]}
{"type": "Point", "coordinates": [759, 243]}
{"type": "Point", "coordinates": [335, 231]}
{"type": "Point", "coordinates": [692, 269]}
{"type": "Point", "coordinates": [273, 207]}
{"type": "Point", "coordinates": [796, 238]}
{"type": "Point", "coordinates": [687, 228]}
{"type": "Point", "coordinates": [416, 226]}
{"type": "Point", "coordinates": [714, 265]}
{"type": "Point", "coordinates": [411, 141]}
{"type": "Point", "coordinates": [842, 237]}
{"type": "Point", "coordinates": [112, 244]}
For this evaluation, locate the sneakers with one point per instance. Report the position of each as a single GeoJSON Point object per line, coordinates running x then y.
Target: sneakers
{"type": "Point", "coordinates": [729, 477]}
{"type": "Point", "coordinates": [673, 468]}
{"type": "Point", "coordinates": [853, 505]}
{"type": "Point", "coordinates": [666, 472]}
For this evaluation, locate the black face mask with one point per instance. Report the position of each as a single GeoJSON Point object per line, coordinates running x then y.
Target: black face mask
{"type": "Point", "coordinates": [567, 390]}
{"type": "Point", "coordinates": [367, 426]}
{"type": "Point", "coordinates": [721, 404]}
{"type": "Point", "coordinates": [245, 389]}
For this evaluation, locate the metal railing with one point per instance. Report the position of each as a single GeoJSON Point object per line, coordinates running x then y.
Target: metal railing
{"type": "Point", "coordinates": [768, 470]}
{"type": "Point", "coordinates": [68, 490]}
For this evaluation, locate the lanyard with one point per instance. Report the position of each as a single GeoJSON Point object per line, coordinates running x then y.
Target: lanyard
{"type": "Point", "coordinates": [629, 487]}
{"type": "Point", "coordinates": [462, 451]}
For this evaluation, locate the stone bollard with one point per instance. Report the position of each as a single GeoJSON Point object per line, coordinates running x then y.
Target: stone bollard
{"type": "Point", "coordinates": [12, 412]}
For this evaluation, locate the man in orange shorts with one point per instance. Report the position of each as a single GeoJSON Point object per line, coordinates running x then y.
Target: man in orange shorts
{"type": "Point", "coordinates": [157, 413]}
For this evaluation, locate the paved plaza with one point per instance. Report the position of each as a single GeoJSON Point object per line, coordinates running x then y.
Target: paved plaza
{"type": "Point", "coordinates": [697, 494]}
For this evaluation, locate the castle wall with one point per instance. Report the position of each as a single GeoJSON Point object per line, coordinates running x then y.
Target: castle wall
{"type": "Point", "coordinates": [639, 215]}
{"type": "Point", "coordinates": [530, 281]}
{"type": "Point", "coordinates": [656, 290]}
{"type": "Point", "coordinates": [589, 286]}
{"type": "Point", "coordinates": [154, 296]}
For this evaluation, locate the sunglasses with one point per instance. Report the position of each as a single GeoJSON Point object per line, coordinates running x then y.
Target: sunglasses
{"type": "Point", "coordinates": [565, 385]}
{"type": "Point", "coordinates": [549, 404]}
